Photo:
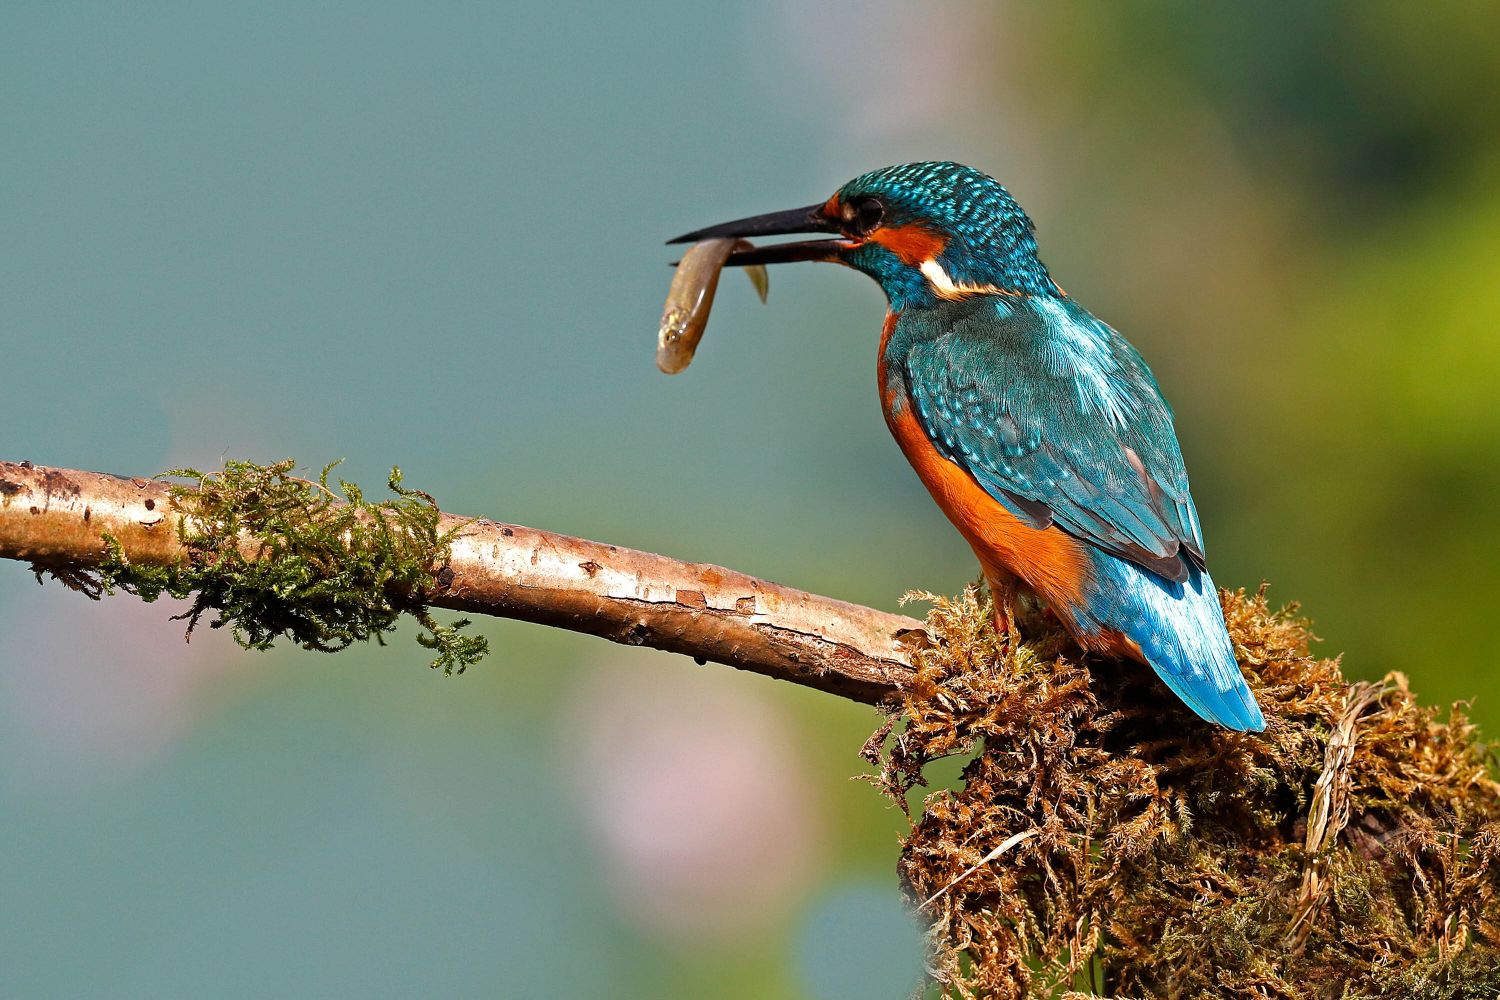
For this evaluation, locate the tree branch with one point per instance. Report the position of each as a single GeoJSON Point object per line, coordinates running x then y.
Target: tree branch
{"type": "Point", "coordinates": [55, 519]}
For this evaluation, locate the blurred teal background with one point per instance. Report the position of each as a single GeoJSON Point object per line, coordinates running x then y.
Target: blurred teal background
{"type": "Point", "coordinates": [430, 234]}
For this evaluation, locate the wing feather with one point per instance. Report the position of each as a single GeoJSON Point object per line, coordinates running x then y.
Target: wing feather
{"type": "Point", "coordinates": [1058, 418]}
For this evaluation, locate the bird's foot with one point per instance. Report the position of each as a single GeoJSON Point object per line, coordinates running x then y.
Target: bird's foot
{"type": "Point", "coordinates": [1006, 616]}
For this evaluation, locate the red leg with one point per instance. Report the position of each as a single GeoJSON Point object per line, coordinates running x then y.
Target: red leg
{"type": "Point", "coordinates": [1003, 592]}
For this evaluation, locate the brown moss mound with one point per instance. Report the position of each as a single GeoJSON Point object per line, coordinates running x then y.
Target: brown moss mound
{"type": "Point", "coordinates": [1105, 841]}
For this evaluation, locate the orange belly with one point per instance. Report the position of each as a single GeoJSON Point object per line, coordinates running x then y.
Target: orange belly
{"type": "Point", "coordinates": [1054, 564]}
{"type": "Point", "coordinates": [1049, 561]}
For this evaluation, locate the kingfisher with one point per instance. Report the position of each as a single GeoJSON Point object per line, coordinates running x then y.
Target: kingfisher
{"type": "Point", "coordinates": [1038, 429]}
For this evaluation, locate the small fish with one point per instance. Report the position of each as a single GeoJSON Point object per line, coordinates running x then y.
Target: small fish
{"type": "Point", "coordinates": [692, 296]}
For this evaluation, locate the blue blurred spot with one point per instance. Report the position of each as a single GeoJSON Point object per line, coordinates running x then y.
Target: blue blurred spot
{"type": "Point", "coordinates": [860, 943]}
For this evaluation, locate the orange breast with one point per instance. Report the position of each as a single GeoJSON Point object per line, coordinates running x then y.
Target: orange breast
{"type": "Point", "coordinates": [1051, 562]}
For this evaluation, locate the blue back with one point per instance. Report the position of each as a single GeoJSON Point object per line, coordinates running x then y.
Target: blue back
{"type": "Point", "coordinates": [1059, 419]}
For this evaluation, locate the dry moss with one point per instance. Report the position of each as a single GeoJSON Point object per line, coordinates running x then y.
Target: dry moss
{"type": "Point", "coordinates": [1105, 841]}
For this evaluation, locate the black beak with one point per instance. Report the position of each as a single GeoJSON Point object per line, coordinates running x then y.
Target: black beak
{"type": "Point", "coordinates": [797, 220]}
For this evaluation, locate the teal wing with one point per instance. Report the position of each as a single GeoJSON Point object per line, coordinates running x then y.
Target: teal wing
{"type": "Point", "coordinates": [1059, 419]}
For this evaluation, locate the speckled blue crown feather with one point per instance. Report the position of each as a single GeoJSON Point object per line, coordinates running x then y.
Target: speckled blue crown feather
{"type": "Point", "coordinates": [991, 240]}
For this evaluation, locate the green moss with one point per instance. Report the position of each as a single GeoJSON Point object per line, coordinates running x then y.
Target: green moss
{"type": "Point", "coordinates": [272, 555]}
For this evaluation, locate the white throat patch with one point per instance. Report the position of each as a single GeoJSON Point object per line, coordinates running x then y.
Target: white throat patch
{"type": "Point", "coordinates": [946, 288]}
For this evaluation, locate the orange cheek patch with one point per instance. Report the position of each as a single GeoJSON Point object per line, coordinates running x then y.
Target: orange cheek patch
{"type": "Point", "coordinates": [912, 243]}
{"type": "Point", "coordinates": [1050, 561]}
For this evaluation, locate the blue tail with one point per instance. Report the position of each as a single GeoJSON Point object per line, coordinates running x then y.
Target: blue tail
{"type": "Point", "coordinates": [1180, 628]}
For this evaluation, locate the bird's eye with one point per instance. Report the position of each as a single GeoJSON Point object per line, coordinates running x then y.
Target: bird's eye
{"type": "Point", "coordinates": [863, 216]}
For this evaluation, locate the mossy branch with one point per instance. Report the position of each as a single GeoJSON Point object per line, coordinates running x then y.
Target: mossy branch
{"type": "Point", "coordinates": [1102, 841]}
{"type": "Point", "coordinates": [271, 555]}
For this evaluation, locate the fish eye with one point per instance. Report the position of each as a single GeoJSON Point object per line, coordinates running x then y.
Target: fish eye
{"type": "Point", "coordinates": [862, 216]}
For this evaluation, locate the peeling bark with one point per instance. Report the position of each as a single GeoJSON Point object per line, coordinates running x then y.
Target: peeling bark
{"type": "Point", "coordinates": [54, 518]}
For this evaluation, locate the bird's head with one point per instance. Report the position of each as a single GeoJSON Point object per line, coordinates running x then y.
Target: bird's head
{"type": "Point", "coordinates": [925, 231]}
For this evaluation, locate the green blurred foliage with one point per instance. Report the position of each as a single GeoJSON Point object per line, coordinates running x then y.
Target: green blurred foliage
{"type": "Point", "coordinates": [429, 234]}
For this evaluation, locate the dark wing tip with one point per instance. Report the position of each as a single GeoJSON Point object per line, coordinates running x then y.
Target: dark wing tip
{"type": "Point", "coordinates": [1034, 513]}
{"type": "Point", "coordinates": [1173, 566]}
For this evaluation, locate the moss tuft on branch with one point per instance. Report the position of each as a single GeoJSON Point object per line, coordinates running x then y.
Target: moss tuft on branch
{"type": "Point", "coordinates": [1104, 839]}
{"type": "Point", "coordinates": [67, 522]}
{"type": "Point", "coordinates": [271, 555]}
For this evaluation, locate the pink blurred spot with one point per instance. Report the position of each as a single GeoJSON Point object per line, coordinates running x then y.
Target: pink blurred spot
{"type": "Point", "coordinates": [692, 786]}
{"type": "Point", "coordinates": [888, 67]}
{"type": "Point", "coordinates": [99, 687]}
